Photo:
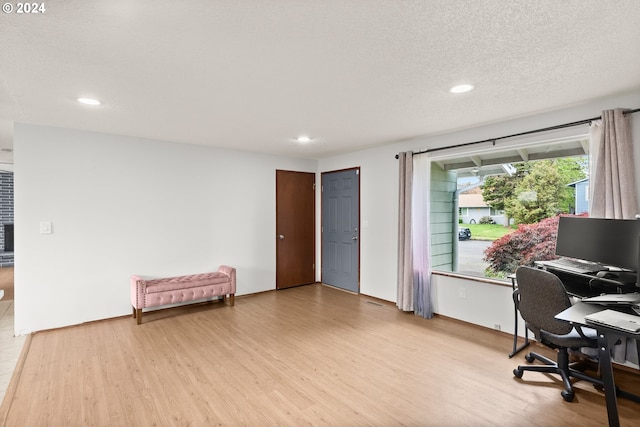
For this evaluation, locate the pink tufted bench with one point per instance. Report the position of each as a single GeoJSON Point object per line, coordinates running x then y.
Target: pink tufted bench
{"type": "Point", "coordinates": [170, 290]}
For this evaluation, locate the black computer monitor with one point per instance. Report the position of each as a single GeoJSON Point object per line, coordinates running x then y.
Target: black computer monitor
{"type": "Point", "coordinates": [612, 242]}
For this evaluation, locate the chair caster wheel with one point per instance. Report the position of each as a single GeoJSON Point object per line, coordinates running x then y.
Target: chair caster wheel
{"type": "Point", "coordinates": [567, 395]}
{"type": "Point", "coordinates": [529, 358]}
{"type": "Point", "coordinates": [518, 373]}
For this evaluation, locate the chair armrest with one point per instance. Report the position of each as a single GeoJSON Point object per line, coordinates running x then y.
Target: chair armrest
{"type": "Point", "coordinates": [516, 297]}
{"type": "Point", "coordinates": [578, 329]}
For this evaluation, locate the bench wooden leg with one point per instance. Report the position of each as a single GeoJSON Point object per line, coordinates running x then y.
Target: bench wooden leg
{"type": "Point", "coordinates": [232, 299]}
{"type": "Point", "coordinates": [137, 314]}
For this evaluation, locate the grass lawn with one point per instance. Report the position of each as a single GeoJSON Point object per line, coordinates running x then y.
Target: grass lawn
{"type": "Point", "coordinates": [487, 231]}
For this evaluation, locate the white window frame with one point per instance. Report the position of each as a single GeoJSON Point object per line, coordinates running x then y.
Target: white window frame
{"type": "Point", "coordinates": [553, 139]}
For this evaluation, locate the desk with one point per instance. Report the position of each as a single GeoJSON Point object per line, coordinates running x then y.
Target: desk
{"type": "Point", "coordinates": [577, 285]}
{"type": "Point", "coordinates": [587, 285]}
{"type": "Point", "coordinates": [606, 340]}
{"type": "Point", "coordinates": [524, 345]}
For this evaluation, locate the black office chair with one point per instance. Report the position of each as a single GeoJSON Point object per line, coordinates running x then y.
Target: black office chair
{"type": "Point", "coordinates": [540, 295]}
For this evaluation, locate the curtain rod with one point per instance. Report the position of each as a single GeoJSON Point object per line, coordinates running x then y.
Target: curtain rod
{"type": "Point", "coordinates": [529, 132]}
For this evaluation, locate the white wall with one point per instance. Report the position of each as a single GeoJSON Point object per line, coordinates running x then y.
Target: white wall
{"type": "Point", "coordinates": [379, 183]}
{"type": "Point", "coordinates": [378, 217]}
{"type": "Point", "coordinates": [463, 299]}
{"type": "Point", "coordinates": [121, 205]}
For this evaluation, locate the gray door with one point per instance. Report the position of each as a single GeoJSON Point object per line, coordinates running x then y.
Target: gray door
{"type": "Point", "coordinates": [341, 229]}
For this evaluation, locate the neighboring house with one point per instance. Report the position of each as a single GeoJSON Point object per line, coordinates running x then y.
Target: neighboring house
{"type": "Point", "coordinates": [472, 207]}
{"type": "Point", "coordinates": [582, 195]}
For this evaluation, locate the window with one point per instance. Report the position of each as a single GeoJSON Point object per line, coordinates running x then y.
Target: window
{"type": "Point", "coordinates": [533, 170]}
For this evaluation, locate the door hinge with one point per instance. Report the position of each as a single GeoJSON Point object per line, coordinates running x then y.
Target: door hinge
{"type": "Point", "coordinates": [314, 186]}
{"type": "Point", "coordinates": [313, 266]}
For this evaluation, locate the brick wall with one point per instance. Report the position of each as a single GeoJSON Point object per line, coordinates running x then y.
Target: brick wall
{"type": "Point", "coordinates": [6, 203]}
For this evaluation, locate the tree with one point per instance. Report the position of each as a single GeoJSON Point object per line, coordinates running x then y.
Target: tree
{"type": "Point", "coordinates": [537, 189]}
{"type": "Point", "coordinates": [498, 189]}
{"type": "Point", "coordinates": [571, 169]}
{"type": "Point", "coordinates": [524, 246]}
{"type": "Point", "coordinates": [538, 194]}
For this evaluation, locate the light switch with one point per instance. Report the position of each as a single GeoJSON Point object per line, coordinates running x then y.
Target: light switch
{"type": "Point", "coordinates": [45, 227]}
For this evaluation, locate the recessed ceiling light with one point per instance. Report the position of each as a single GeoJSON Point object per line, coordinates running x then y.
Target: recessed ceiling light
{"type": "Point", "coordinates": [461, 88]}
{"type": "Point", "coordinates": [303, 139]}
{"type": "Point", "coordinates": [89, 101]}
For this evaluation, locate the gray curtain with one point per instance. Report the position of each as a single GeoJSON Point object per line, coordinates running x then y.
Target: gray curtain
{"type": "Point", "coordinates": [421, 236]}
{"type": "Point", "coordinates": [414, 272]}
{"type": "Point", "coordinates": [613, 190]}
{"type": "Point", "coordinates": [613, 177]}
{"type": "Point", "coordinates": [405, 254]}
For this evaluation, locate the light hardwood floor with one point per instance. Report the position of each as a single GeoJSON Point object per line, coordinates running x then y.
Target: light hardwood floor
{"type": "Point", "coordinates": [306, 356]}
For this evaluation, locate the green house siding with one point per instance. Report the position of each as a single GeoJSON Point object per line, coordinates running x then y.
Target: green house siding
{"type": "Point", "coordinates": [442, 217]}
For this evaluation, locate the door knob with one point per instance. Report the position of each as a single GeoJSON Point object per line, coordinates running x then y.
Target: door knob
{"type": "Point", "coordinates": [281, 237]}
{"type": "Point", "coordinates": [354, 238]}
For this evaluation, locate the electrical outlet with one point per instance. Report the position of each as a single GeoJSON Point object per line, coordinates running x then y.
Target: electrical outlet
{"type": "Point", "coordinates": [462, 293]}
{"type": "Point", "coordinates": [497, 327]}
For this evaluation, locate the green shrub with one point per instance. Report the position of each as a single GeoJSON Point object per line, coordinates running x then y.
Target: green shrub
{"type": "Point", "coordinates": [486, 220]}
{"type": "Point", "coordinates": [524, 246]}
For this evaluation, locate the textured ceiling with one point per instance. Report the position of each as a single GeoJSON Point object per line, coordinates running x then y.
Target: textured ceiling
{"type": "Point", "coordinates": [254, 74]}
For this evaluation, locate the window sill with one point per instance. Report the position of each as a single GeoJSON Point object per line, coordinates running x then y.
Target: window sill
{"type": "Point", "coordinates": [498, 282]}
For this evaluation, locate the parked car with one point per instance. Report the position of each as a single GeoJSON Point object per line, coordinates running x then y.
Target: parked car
{"type": "Point", "coordinates": [464, 233]}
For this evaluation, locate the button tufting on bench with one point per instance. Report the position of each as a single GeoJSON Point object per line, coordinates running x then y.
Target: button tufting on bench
{"type": "Point", "coordinates": [157, 292]}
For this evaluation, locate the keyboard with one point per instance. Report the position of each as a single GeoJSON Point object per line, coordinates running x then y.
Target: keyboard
{"type": "Point", "coordinates": [575, 266]}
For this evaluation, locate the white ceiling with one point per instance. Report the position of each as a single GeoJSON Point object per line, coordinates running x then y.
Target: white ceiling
{"type": "Point", "coordinates": [254, 74]}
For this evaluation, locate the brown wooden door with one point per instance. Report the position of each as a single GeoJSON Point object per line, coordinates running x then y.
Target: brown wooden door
{"type": "Point", "coordinates": [295, 228]}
